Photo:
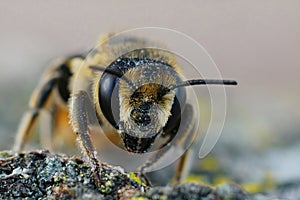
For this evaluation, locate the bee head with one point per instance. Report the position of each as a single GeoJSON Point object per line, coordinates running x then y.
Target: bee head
{"type": "Point", "coordinates": [134, 96]}
{"type": "Point", "coordinates": [145, 105]}
{"type": "Point", "coordinates": [143, 98]}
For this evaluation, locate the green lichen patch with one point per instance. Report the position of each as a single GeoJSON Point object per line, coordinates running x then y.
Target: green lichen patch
{"type": "Point", "coordinates": [6, 154]}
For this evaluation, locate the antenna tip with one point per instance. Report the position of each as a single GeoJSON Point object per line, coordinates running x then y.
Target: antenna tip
{"type": "Point", "coordinates": [230, 82]}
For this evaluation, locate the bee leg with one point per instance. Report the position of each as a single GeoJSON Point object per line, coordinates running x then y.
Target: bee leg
{"type": "Point", "coordinates": [39, 99]}
{"type": "Point", "coordinates": [46, 135]}
{"type": "Point", "coordinates": [80, 118]}
{"type": "Point", "coordinates": [187, 137]}
{"type": "Point", "coordinates": [25, 129]}
{"type": "Point", "coordinates": [182, 167]}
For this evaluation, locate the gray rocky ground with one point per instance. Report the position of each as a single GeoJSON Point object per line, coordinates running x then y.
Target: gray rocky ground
{"type": "Point", "coordinates": [42, 175]}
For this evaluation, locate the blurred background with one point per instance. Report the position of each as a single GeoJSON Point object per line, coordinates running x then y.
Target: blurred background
{"type": "Point", "coordinates": [254, 42]}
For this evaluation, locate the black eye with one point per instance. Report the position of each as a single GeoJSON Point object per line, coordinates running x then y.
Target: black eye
{"type": "Point", "coordinates": [178, 105]}
{"type": "Point", "coordinates": [108, 97]}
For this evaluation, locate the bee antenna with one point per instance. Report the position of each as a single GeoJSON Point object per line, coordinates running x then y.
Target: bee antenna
{"type": "Point", "coordinates": [203, 82]}
{"type": "Point", "coordinates": [113, 72]}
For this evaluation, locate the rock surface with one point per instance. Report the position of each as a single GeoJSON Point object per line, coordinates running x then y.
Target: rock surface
{"type": "Point", "coordinates": [42, 175]}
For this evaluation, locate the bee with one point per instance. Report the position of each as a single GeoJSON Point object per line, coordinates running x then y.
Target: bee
{"type": "Point", "coordinates": [137, 95]}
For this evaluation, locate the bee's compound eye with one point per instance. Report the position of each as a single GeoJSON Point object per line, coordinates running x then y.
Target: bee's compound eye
{"type": "Point", "coordinates": [177, 107]}
{"type": "Point", "coordinates": [108, 98]}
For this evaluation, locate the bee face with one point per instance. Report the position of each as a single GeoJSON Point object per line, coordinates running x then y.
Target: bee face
{"type": "Point", "coordinates": [146, 115]}
{"type": "Point", "coordinates": [144, 100]}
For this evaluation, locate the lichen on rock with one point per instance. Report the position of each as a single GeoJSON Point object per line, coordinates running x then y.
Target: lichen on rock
{"type": "Point", "coordinates": [43, 175]}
